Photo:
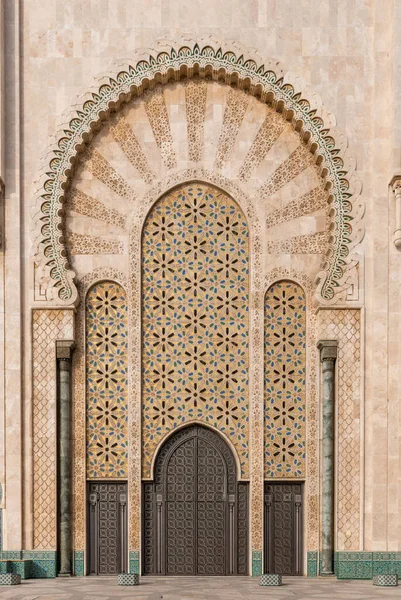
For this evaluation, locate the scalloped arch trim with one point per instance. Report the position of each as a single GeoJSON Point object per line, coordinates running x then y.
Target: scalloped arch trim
{"type": "Point", "coordinates": [173, 66]}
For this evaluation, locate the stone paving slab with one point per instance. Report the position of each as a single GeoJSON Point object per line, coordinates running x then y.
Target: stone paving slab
{"type": "Point", "coordinates": [195, 588]}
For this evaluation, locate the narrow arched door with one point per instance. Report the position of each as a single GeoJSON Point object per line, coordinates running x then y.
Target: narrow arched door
{"type": "Point", "coordinates": [195, 511]}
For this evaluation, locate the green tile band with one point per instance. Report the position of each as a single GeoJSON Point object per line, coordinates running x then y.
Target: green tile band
{"type": "Point", "coordinates": [257, 566]}
{"type": "Point", "coordinates": [79, 563]}
{"type": "Point", "coordinates": [134, 562]}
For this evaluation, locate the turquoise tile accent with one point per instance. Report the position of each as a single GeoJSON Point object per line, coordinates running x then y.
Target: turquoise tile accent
{"type": "Point", "coordinates": [134, 562]}
{"type": "Point", "coordinates": [387, 567]}
{"type": "Point", "coordinates": [16, 567]}
{"type": "Point", "coordinates": [354, 565]}
{"type": "Point", "coordinates": [354, 556]}
{"type": "Point", "coordinates": [44, 563]}
{"type": "Point", "coordinates": [3, 567]}
{"type": "Point", "coordinates": [10, 554]}
{"type": "Point", "coordinates": [386, 556]}
{"type": "Point", "coordinates": [312, 560]}
{"type": "Point", "coordinates": [79, 563]}
{"type": "Point", "coordinates": [355, 570]}
{"type": "Point", "coordinates": [20, 567]}
{"type": "Point", "coordinates": [257, 567]}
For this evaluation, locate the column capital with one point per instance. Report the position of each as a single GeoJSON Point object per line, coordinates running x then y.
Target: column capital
{"type": "Point", "coordinates": [64, 349]}
{"type": "Point", "coordinates": [328, 349]}
{"type": "Point", "coordinates": [395, 184]}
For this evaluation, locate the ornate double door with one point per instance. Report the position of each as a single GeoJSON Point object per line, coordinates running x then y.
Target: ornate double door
{"type": "Point", "coordinates": [283, 528]}
{"type": "Point", "coordinates": [195, 520]}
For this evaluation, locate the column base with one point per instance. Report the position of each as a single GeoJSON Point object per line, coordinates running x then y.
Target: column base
{"type": "Point", "coordinates": [64, 575]}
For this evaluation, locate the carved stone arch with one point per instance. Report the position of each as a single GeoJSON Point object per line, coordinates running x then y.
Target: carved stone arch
{"type": "Point", "coordinates": [267, 84]}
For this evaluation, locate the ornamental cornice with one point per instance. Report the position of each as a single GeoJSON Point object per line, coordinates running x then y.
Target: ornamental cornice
{"type": "Point", "coordinates": [270, 85]}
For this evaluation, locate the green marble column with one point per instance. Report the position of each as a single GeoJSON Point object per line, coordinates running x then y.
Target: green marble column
{"type": "Point", "coordinates": [328, 355]}
{"type": "Point", "coordinates": [64, 355]}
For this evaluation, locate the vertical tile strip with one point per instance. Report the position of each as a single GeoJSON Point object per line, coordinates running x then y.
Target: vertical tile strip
{"type": "Point", "coordinates": [157, 113]}
{"type": "Point", "coordinates": [127, 140]}
{"type": "Point", "coordinates": [270, 130]}
{"type": "Point", "coordinates": [48, 326]}
{"type": "Point", "coordinates": [195, 104]}
{"type": "Point", "coordinates": [237, 104]}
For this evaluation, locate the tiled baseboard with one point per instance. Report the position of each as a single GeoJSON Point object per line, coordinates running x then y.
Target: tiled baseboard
{"type": "Point", "coordinates": [257, 563]}
{"type": "Point", "coordinates": [34, 564]}
{"type": "Point", "coordinates": [79, 563]}
{"type": "Point", "coordinates": [134, 562]}
{"type": "Point", "coordinates": [358, 565]}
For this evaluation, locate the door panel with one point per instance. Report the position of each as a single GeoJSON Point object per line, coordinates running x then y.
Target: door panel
{"type": "Point", "coordinates": [211, 510]}
{"type": "Point", "coordinates": [107, 528]}
{"type": "Point", "coordinates": [283, 528]}
{"type": "Point", "coordinates": [180, 510]}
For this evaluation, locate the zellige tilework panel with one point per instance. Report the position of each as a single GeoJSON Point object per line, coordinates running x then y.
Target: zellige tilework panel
{"type": "Point", "coordinates": [285, 375]}
{"type": "Point", "coordinates": [195, 317]}
{"type": "Point", "coordinates": [107, 381]}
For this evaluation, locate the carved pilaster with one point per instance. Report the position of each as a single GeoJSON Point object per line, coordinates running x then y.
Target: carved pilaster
{"type": "Point", "coordinates": [396, 189]}
{"type": "Point", "coordinates": [64, 349]}
{"type": "Point", "coordinates": [328, 355]}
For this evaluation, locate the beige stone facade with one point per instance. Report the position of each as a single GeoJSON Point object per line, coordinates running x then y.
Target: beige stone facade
{"type": "Point", "coordinates": [283, 117]}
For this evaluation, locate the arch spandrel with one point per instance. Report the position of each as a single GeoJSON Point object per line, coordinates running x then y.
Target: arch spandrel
{"type": "Point", "coordinates": [55, 273]}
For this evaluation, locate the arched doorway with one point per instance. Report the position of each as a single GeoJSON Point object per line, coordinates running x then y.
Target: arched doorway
{"type": "Point", "coordinates": [195, 511]}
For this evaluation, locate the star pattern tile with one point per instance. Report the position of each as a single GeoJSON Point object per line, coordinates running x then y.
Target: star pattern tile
{"type": "Point", "coordinates": [285, 364]}
{"type": "Point", "coordinates": [195, 317]}
{"type": "Point", "coordinates": [107, 381]}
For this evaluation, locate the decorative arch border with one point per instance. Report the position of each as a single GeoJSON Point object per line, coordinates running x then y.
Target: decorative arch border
{"type": "Point", "coordinates": [267, 84]}
{"type": "Point", "coordinates": [171, 433]}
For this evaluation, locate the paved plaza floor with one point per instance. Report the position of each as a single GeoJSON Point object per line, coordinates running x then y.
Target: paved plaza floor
{"type": "Point", "coordinates": [194, 588]}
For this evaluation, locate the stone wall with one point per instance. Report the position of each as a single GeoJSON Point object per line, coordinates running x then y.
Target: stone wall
{"type": "Point", "coordinates": [344, 54]}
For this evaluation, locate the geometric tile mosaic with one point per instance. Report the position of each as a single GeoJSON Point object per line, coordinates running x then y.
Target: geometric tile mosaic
{"type": "Point", "coordinates": [345, 326]}
{"type": "Point", "coordinates": [195, 317]}
{"type": "Point", "coordinates": [47, 326]}
{"type": "Point", "coordinates": [107, 381]}
{"type": "Point", "coordinates": [134, 562]}
{"type": "Point", "coordinates": [285, 375]}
